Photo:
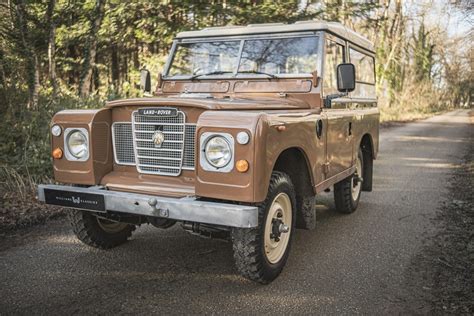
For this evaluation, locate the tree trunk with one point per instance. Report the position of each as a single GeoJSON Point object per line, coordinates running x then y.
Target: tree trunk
{"type": "Point", "coordinates": [95, 75]}
{"type": "Point", "coordinates": [37, 86]}
{"type": "Point", "coordinates": [91, 50]}
{"type": "Point", "coordinates": [3, 82]}
{"type": "Point", "coordinates": [52, 46]}
{"type": "Point", "coordinates": [115, 64]}
{"type": "Point", "coordinates": [29, 55]}
{"type": "Point", "coordinates": [136, 60]}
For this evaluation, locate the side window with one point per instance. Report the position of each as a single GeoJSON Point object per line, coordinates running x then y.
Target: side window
{"type": "Point", "coordinates": [334, 56]}
{"type": "Point", "coordinates": [365, 76]}
{"type": "Point", "coordinates": [364, 65]}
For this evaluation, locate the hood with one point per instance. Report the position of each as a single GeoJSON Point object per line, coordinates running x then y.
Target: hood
{"type": "Point", "coordinates": [209, 103]}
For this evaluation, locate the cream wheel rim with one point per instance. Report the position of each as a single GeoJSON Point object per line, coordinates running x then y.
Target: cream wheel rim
{"type": "Point", "coordinates": [110, 227]}
{"type": "Point", "coordinates": [356, 184]}
{"type": "Point", "coordinates": [278, 228]}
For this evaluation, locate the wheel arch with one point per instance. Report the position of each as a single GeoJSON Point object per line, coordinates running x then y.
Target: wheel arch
{"type": "Point", "coordinates": [295, 163]}
{"type": "Point", "coordinates": [300, 175]}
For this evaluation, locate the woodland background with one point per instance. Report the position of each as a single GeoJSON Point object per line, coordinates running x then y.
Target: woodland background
{"type": "Point", "coordinates": [58, 54]}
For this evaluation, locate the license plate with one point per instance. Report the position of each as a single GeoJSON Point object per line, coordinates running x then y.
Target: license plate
{"type": "Point", "coordinates": [86, 201]}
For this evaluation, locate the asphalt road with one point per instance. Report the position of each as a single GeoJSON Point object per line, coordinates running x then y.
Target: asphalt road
{"type": "Point", "coordinates": [350, 264]}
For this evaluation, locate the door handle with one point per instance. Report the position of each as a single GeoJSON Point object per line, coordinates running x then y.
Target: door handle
{"type": "Point", "coordinates": [319, 128]}
{"type": "Point", "coordinates": [350, 128]}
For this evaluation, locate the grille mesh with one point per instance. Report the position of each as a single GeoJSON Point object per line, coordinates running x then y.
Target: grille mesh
{"type": "Point", "coordinates": [123, 143]}
{"type": "Point", "coordinates": [189, 148]}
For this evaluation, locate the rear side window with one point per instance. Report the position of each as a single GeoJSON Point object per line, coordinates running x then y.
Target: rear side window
{"type": "Point", "coordinates": [364, 65]}
{"type": "Point", "coordinates": [365, 75]}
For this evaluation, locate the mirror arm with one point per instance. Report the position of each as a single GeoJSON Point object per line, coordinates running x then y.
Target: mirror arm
{"type": "Point", "coordinates": [330, 97]}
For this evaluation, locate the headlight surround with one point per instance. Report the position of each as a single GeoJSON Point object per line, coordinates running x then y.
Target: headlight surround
{"type": "Point", "coordinates": [218, 151]}
{"type": "Point", "coordinates": [77, 144]}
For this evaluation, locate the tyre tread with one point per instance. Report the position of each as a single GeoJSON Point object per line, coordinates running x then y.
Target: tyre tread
{"type": "Point", "coordinates": [246, 242]}
{"type": "Point", "coordinates": [90, 234]}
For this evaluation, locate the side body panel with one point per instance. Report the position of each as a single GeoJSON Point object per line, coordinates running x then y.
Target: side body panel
{"type": "Point", "coordinates": [299, 133]}
{"type": "Point", "coordinates": [340, 138]}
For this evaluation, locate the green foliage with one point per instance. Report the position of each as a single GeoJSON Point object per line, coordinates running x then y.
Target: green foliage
{"type": "Point", "coordinates": [25, 146]}
{"type": "Point", "coordinates": [423, 53]}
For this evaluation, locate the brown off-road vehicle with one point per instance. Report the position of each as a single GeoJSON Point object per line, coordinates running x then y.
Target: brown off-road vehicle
{"type": "Point", "coordinates": [246, 125]}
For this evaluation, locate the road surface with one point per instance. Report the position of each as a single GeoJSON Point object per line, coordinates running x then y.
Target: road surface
{"type": "Point", "coordinates": [354, 263]}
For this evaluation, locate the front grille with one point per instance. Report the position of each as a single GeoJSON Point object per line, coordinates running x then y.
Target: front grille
{"type": "Point", "coordinates": [165, 158]}
{"type": "Point", "coordinates": [133, 142]}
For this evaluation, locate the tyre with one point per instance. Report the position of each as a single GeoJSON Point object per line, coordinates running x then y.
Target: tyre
{"type": "Point", "coordinates": [98, 232]}
{"type": "Point", "coordinates": [261, 253]}
{"type": "Point", "coordinates": [347, 192]}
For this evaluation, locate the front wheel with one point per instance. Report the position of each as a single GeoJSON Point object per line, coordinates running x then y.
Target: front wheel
{"type": "Point", "coordinates": [347, 192]}
{"type": "Point", "coordinates": [98, 232]}
{"type": "Point", "coordinates": [261, 253]}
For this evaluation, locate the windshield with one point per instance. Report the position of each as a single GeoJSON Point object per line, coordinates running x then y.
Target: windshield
{"type": "Point", "coordinates": [279, 56]}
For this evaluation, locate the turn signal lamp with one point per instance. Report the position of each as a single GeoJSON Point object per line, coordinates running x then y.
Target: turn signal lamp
{"type": "Point", "coordinates": [242, 165]}
{"type": "Point", "coordinates": [57, 153]}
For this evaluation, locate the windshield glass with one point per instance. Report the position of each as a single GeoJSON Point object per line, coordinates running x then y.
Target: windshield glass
{"type": "Point", "coordinates": [201, 58]}
{"type": "Point", "coordinates": [279, 56]}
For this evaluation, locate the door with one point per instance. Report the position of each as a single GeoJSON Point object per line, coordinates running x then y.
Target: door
{"type": "Point", "coordinates": [339, 141]}
{"type": "Point", "coordinates": [339, 117]}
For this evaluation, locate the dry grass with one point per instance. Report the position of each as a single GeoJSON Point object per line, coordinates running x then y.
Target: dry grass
{"type": "Point", "coordinates": [12, 181]}
{"type": "Point", "coordinates": [395, 115]}
{"type": "Point", "coordinates": [419, 100]}
{"type": "Point", "coordinates": [18, 204]}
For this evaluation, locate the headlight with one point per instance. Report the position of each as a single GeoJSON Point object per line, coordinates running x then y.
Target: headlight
{"type": "Point", "coordinates": [77, 144]}
{"type": "Point", "coordinates": [218, 152]}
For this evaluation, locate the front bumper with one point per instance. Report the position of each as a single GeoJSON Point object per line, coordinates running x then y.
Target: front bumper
{"type": "Point", "coordinates": [181, 209]}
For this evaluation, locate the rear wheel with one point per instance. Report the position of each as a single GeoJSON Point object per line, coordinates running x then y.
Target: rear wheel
{"type": "Point", "coordinates": [261, 253]}
{"type": "Point", "coordinates": [98, 232]}
{"type": "Point", "coordinates": [347, 192]}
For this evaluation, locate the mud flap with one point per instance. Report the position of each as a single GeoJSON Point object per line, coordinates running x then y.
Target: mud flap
{"type": "Point", "coordinates": [367, 172]}
{"type": "Point", "coordinates": [306, 213]}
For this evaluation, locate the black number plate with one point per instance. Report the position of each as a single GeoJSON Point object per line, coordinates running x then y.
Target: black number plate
{"type": "Point", "coordinates": [86, 201]}
{"type": "Point", "coordinates": [161, 112]}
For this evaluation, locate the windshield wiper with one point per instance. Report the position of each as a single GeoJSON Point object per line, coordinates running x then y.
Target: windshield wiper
{"type": "Point", "coordinates": [257, 72]}
{"type": "Point", "coordinates": [219, 72]}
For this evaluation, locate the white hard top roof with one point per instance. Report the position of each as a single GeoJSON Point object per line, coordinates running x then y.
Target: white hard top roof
{"type": "Point", "coordinates": [232, 30]}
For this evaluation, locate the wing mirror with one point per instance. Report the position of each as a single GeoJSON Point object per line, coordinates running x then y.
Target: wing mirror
{"type": "Point", "coordinates": [345, 78]}
{"type": "Point", "coordinates": [145, 81]}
